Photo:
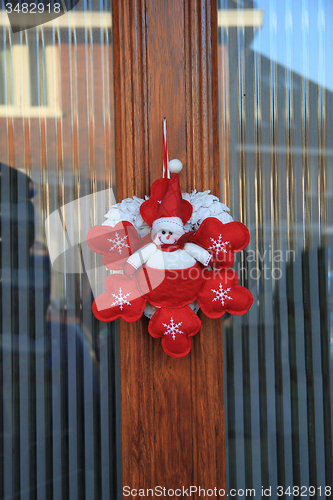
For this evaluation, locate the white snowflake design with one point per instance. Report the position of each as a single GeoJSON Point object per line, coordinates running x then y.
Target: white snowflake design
{"type": "Point", "coordinates": [121, 299]}
{"type": "Point", "coordinates": [118, 242]}
{"type": "Point", "coordinates": [172, 328]}
{"type": "Point", "coordinates": [218, 245]}
{"type": "Point", "coordinates": [221, 294]}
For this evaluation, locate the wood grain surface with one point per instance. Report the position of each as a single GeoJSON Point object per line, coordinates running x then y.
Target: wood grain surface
{"type": "Point", "coordinates": [165, 58]}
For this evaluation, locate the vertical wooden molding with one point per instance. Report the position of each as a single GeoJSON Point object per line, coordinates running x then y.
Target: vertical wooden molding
{"type": "Point", "coordinates": [202, 95]}
{"type": "Point", "coordinates": [132, 165]}
{"type": "Point", "coordinates": [130, 78]}
{"type": "Point", "coordinates": [165, 57]}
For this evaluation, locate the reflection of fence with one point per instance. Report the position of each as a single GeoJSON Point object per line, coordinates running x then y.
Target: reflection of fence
{"type": "Point", "coordinates": [58, 400]}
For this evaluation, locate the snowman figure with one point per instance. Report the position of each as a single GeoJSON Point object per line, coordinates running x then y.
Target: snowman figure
{"type": "Point", "coordinates": [170, 248]}
{"type": "Point", "coordinates": [172, 264]}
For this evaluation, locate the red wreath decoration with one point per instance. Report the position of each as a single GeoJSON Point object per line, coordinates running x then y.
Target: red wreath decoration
{"type": "Point", "coordinates": [171, 271]}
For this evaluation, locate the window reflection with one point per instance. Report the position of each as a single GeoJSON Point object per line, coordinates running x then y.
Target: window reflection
{"type": "Point", "coordinates": [60, 406]}
{"type": "Point", "coordinates": [275, 107]}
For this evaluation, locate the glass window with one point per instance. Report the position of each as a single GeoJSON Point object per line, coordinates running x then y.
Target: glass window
{"type": "Point", "coordinates": [29, 80]}
{"type": "Point", "coordinates": [59, 373]}
{"type": "Point", "coordinates": [275, 112]}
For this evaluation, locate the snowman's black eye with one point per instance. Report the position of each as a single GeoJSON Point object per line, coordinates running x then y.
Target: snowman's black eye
{"type": "Point", "coordinates": [163, 232]}
{"type": "Point", "coordinates": [170, 232]}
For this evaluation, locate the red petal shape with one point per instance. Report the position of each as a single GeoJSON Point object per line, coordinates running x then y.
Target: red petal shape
{"type": "Point", "coordinates": [175, 327]}
{"type": "Point", "coordinates": [115, 243]}
{"type": "Point", "coordinates": [170, 287]}
{"type": "Point", "coordinates": [221, 240]}
{"type": "Point", "coordinates": [122, 299]}
{"type": "Point", "coordinates": [221, 293]}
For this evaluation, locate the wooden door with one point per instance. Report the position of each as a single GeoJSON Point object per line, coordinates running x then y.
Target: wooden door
{"type": "Point", "coordinates": [166, 66]}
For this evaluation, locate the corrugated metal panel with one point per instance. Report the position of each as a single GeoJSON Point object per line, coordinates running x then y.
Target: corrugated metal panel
{"type": "Point", "coordinates": [59, 415]}
{"type": "Point", "coordinates": [276, 108]}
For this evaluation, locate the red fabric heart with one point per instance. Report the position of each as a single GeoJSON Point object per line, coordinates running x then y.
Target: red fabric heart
{"type": "Point", "coordinates": [122, 299]}
{"type": "Point", "coordinates": [221, 240]}
{"type": "Point", "coordinates": [116, 243]}
{"type": "Point", "coordinates": [221, 293]}
{"type": "Point", "coordinates": [175, 327]}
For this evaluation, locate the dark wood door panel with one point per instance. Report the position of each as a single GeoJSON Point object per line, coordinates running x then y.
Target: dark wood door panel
{"type": "Point", "coordinates": [165, 66]}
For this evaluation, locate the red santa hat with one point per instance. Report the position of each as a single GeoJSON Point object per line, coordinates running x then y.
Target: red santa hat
{"type": "Point", "coordinates": [166, 208]}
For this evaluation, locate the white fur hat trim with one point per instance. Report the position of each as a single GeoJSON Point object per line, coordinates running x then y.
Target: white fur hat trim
{"type": "Point", "coordinates": [174, 224]}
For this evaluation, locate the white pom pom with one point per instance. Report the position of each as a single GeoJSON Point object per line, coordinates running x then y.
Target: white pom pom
{"type": "Point", "coordinates": [175, 166]}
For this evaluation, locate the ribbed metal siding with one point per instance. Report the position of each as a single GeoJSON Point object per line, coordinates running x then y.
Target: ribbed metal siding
{"type": "Point", "coordinates": [276, 176]}
{"type": "Point", "coordinates": [59, 415]}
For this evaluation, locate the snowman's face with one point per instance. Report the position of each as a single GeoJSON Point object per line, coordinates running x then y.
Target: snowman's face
{"type": "Point", "coordinates": [164, 236]}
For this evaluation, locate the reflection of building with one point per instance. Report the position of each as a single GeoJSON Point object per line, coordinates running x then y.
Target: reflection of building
{"type": "Point", "coordinates": [273, 115]}
{"type": "Point", "coordinates": [56, 93]}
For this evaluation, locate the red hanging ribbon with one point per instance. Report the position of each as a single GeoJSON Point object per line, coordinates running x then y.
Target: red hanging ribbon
{"type": "Point", "coordinates": [165, 151]}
